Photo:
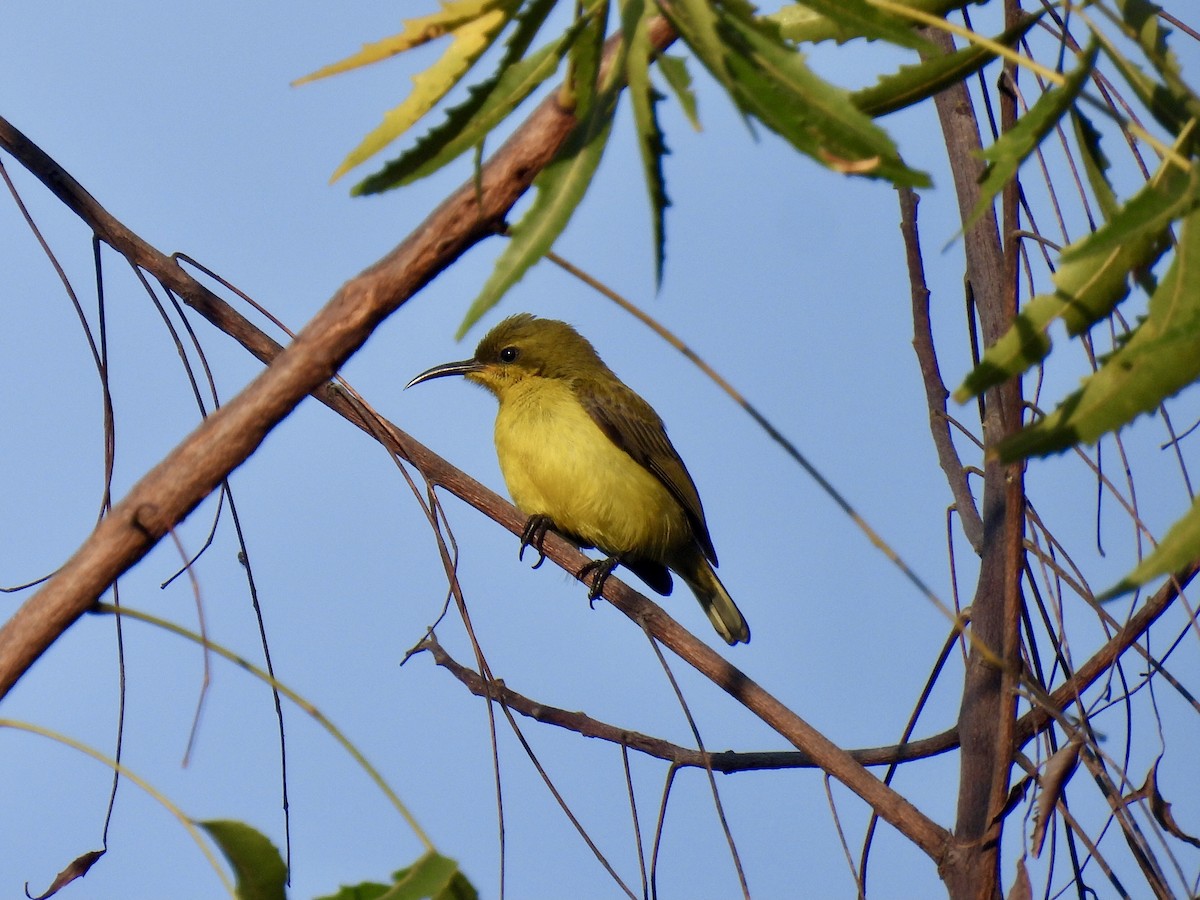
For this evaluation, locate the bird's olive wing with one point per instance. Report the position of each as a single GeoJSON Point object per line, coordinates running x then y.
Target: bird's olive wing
{"type": "Point", "coordinates": [632, 424]}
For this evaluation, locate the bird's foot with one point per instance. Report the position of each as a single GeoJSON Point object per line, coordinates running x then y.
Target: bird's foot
{"type": "Point", "coordinates": [601, 568]}
{"type": "Point", "coordinates": [534, 536]}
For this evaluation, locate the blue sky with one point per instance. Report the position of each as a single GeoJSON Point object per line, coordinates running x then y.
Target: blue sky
{"type": "Point", "coordinates": [787, 278]}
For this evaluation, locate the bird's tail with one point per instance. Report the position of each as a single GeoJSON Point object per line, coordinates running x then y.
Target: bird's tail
{"type": "Point", "coordinates": [716, 602]}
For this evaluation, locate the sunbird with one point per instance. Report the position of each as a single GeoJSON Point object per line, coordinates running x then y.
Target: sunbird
{"type": "Point", "coordinates": [585, 456]}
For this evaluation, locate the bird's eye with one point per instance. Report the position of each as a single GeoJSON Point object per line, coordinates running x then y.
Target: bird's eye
{"type": "Point", "coordinates": [508, 354]}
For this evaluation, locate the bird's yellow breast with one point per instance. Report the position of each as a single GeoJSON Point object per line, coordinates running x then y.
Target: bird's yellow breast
{"type": "Point", "coordinates": [557, 462]}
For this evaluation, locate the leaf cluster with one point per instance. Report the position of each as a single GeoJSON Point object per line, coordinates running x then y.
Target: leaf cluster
{"type": "Point", "coordinates": [1156, 228]}
{"type": "Point", "coordinates": [757, 59]}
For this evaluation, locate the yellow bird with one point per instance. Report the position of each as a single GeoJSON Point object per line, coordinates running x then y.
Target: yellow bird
{"type": "Point", "coordinates": [584, 455]}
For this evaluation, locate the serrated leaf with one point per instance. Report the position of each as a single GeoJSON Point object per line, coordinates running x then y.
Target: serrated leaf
{"type": "Point", "coordinates": [1095, 163]}
{"type": "Point", "coordinates": [1013, 147]}
{"type": "Point", "coordinates": [453, 15]}
{"type": "Point", "coordinates": [643, 98]}
{"type": "Point", "coordinates": [770, 80]}
{"type": "Point", "coordinates": [1093, 276]}
{"type": "Point", "coordinates": [583, 62]}
{"type": "Point", "coordinates": [560, 187]}
{"type": "Point", "coordinates": [469, 41]}
{"type": "Point", "coordinates": [675, 72]}
{"type": "Point", "coordinates": [914, 83]}
{"type": "Point", "coordinates": [1172, 104]}
{"type": "Point", "coordinates": [1175, 552]}
{"type": "Point", "coordinates": [469, 123]}
{"type": "Point", "coordinates": [258, 868]}
{"type": "Point", "coordinates": [857, 18]}
{"type": "Point", "coordinates": [802, 21]}
{"type": "Point", "coordinates": [1161, 357]}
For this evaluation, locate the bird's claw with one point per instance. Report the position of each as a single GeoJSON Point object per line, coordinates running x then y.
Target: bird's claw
{"type": "Point", "coordinates": [534, 536]}
{"type": "Point", "coordinates": [601, 568]}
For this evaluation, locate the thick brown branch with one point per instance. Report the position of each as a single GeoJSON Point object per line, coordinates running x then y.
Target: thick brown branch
{"type": "Point", "coordinates": [166, 494]}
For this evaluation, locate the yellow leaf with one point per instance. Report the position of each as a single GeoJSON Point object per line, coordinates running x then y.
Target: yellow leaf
{"type": "Point", "coordinates": [470, 41]}
{"type": "Point", "coordinates": [452, 16]}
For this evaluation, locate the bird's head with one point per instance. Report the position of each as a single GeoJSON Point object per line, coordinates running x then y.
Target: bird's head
{"type": "Point", "coordinates": [524, 346]}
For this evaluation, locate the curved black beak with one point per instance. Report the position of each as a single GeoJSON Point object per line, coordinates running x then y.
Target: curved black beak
{"type": "Point", "coordinates": [463, 367]}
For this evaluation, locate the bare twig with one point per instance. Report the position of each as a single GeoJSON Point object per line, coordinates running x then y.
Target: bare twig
{"type": "Point", "coordinates": [935, 389]}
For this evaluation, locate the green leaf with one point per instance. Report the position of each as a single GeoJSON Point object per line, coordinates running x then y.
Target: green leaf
{"type": "Point", "coordinates": [583, 62]}
{"type": "Point", "coordinates": [802, 22]}
{"type": "Point", "coordinates": [1178, 550]}
{"type": "Point", "coordinates": [1093, 276]}
{"type": "Point", "coordinates": [1161, 357]}
{"type": "Point", "coordinates": [560, 188]}
{"type": "Point", "coordinates": [1094, 273]}
{"type": "Point", "coordinates": [643, 99]}
{"type": "Point", "coordinates": [912, 84]}
{"type": "Point", "coordinates": [858, 18]}
{"type": "Point", "coordinates": [432, 877]}
{"type": "Point", "coordinates": [1013, 147]}
{"type": "Point", "coordinates": [257, 866]}
{"type": "Point", "coordinates": [1171, 103]}
{"type": "Point", "coordinates": [674, 71]}
{"type": "Point", "coordinates": [769, 79]}
{"type": "Point", "coordinates": [470, 40]}
{"type": "Point", "coordinates": [1095, 163]}
{"type": "Point", "coordinates": [467, 124]}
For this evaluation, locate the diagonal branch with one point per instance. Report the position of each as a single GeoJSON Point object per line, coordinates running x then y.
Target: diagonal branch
{"type": "Point", "coordinates": [935, 389]}
{"type": "Point", "coordinates": [173, 488]}
{"type": "Point", "coordinates": [728, 761]}
{"type": "Point", "coordinates": [195, 467]}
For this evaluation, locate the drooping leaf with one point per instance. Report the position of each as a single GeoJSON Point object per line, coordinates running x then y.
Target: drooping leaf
{"type": "Point", "coordinates": [1013, 147]}
{"type": "Point", "coordinates": [582, 86]}
{"type": "Point", "coordinates": [469, 41]}
{"type": "Point", "coordinates": [679, 80]}
{"type": "Point", "coordinates": [1143, 23]}
{"type": "Point", "coordinates": [258, 868]}
{"type": "Point", "coordinates": [76, 869]}
{"type": "Point", "coordinates": [1093, 276]}
{"type": "Point", "coordinates": [767, 78]}
{"type": "Point", "coordinates": [914, 83]}
{"type": "Point", "coordinates": [467, 124]}
{"type": "Point", "coordinates": [1161, 357]}
{"type": "Point", "coordinates": [775, 84]}
{"type": "Point", "coordinates": [1168, 98]}
{"type": "Point", "coordinates": [1095, 163]}
{"type": "Point", "coordinates": [559, 189]}
{"type": "Point", "coordinates": [1052, 783]}
{"type": "Point", "coordinates": [643, 99]}
{"type": "Point", "coordinates": [1160, 808]}
{"type": "Point", "coordinates": [1177, 550]}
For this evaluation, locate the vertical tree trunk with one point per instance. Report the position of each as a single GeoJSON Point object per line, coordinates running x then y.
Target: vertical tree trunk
{"type": "Point", "coordinates": [987, 714]}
